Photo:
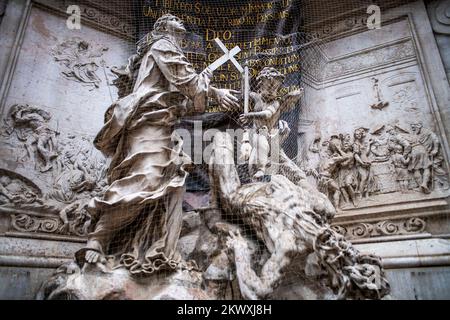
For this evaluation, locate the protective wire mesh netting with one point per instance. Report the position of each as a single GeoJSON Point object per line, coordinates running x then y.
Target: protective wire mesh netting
{"type": "Point", "coordinates": [145, 218]}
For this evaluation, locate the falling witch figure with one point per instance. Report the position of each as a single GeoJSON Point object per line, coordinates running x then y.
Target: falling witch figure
{"type": "Point", "coordinates": [268, 106]}
{"type": "Point", "coordinates": [139, 217]}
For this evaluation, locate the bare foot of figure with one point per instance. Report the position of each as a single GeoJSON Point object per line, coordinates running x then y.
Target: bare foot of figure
{"type": "Point", "coordinates": [93, 257]}
{"type": "Point", "coordinates": [91, 254]}
{"type": "Point", "coordinates": [425, 189]}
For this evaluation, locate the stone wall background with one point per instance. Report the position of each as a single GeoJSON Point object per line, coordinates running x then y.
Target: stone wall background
{"type": "Point", "coordinates": [408, 57]}
{"type": "Point", "coordinates": [56, 84]}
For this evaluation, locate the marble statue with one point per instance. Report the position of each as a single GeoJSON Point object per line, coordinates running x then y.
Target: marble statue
{"type": "Point", "coordinates": [268, 107]}
{"type": "Point", "coordinates": [139, 228]}
{"type": "Point", "coordinates": [291, 221]}
{"type": "Point", "coordinates": [148, 167]}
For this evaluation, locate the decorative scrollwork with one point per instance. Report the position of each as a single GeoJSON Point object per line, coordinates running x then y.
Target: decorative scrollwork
{"type": "Point", "coordinates": [381, 228]}
{"type": "Point", "coordinates": [77, 226]}
{"type": "Point", "coordinates": [362, 230]}
{"type": "Point", "coordinates": [387, 228]}
{"type": "Point", "coordinates": [339, 229]}
{"type": "Point", "coordinates": [415, 225]}
{"type": "Point", "coordinates": [28, 223]}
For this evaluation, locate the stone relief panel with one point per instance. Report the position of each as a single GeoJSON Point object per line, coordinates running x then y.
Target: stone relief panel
{"type": "Point", "coordinates": [374, 140]}
{"type": "Point", "coordinates": [49, 167]}
{"type": "Point", "coordinates": [73, 79]}
{"type": "Point", "coordinates": [17, 190]}
{"type": "Point", "coordinates": [69, 170]}
{"type": "Point", "coordinates": [28, 126]}
{"type": "Point", "coordinates": [80, 60]}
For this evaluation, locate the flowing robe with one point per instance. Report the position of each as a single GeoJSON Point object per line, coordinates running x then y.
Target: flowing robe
{"type": "Point", "coordinates": [140, 214]}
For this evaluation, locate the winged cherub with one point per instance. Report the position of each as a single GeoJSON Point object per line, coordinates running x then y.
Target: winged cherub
{"type": "Point", "coordinates": [267, 109]}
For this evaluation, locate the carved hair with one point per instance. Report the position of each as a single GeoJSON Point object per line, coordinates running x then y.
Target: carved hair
{"type": "Point", "coordinates": [268, 73]}
{"type": "Point", "coordinates": [160, 24]}
{"type": "Point", "coordinates": [361, 130]}
{"type": "Point", "coordinates": [159, 28]}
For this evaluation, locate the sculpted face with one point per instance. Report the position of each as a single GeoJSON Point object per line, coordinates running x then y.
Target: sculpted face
{"type": "Point", "coordinates": [390, 131]}
{"type": "Point", "coordinates": [359, 134]}
{"type": "Point", "coordinates": [175, 25]}
{"type": "Point", "coordinates": [270, 87]}
{"type": "Point", "coordinates": [415, 127]}
{"type": "Point", "coordinates": [346, 146]}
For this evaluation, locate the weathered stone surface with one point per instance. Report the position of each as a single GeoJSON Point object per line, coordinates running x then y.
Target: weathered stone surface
{"type": "Point", "coordinates": [119, 285]}
{"type": "Point", "coordinates": [358, 140]}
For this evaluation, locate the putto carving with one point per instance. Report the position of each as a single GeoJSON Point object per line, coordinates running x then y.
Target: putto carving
{"type": "Point", "coordinates": [80, 60]}
{"type": "Point", "coordinates": [268, 107]}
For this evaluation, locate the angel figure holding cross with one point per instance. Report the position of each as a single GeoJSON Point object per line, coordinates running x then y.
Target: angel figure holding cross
{"type": "Point", "coordinates": [267, 109]}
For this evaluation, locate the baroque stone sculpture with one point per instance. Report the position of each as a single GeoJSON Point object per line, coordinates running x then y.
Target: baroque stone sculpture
{"type": "Point", "coordinates": [291, 221]}
{"type": "Point", "coordinates": [140, 229]}
{"type": "Point", "coordinates": [70, 175]}
{"type": "Point", "coordinates": [267, 110]}
{"type": "Point", "coordinates": [148, 168]}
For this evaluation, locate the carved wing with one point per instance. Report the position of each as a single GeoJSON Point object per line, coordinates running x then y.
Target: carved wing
{"type": "Point", "coordinates": [290, 100]}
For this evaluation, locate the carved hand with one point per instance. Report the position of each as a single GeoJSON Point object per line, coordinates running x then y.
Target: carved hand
{"type": "Point", "coordinates": [284, 127]}
{"type": "Point", "coordinates": [226, 98]}
{"type": "Point", "coordinates": [244, 119]}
